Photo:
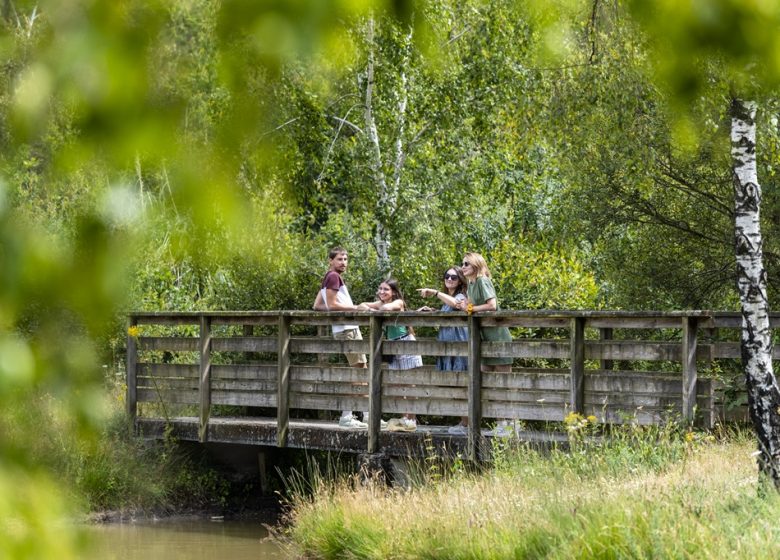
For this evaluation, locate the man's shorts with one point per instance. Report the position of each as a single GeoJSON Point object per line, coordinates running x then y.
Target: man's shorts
{"type": "Point", "coordinates": [353, 358]}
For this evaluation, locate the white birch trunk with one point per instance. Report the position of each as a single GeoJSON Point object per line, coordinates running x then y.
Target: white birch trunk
{"type": "Point", "coordinates": [763, 393]}
{"type": "Point", "coordinates": [381, 236]}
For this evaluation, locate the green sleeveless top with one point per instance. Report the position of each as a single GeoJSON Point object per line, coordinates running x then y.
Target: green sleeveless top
{"type": "Point", "coordinates": [394, 332]}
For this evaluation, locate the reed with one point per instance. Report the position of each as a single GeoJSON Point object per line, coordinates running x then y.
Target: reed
{"type": "Point", "coordinates": [651, 494]}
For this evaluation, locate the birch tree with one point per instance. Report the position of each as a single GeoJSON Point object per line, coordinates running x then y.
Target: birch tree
{"type": "Point", "coordinates": [756, 339]}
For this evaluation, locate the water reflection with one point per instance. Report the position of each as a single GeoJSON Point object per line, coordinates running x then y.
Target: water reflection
{"type": "Point", "coordinates": [199, 539]}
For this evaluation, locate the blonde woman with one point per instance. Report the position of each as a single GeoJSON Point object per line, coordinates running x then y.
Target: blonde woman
{"type": "Point", "coordinates": [482, 297]}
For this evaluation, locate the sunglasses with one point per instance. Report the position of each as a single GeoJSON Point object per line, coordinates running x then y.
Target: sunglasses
{"type": "Point", "coordinates": [466, 263]}
{"type": "Point", "coordinates": [450, 276]}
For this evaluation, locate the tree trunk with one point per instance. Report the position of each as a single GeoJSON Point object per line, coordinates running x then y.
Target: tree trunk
{"type": "Point", "coordinates": [381, 234]}
{"type": "Point", "coordinates": [756, 343]}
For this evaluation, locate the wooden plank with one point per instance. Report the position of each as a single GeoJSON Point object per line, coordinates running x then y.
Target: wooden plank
{"type": "Point", "coordinates": [147, 369]}
{"type": "Point", "coordinates": [244, 344]}
{"type": "Point", "coordinates": [329, 388]}
{"type": "Point", "coordinates": [417, 392]}
{"type": "Point", "coordinates": [397, 405]}
{"type": "Point", "coordinates": [630, 401]}
{"type": "Point", "coordinates": [309, 345]}
{"type": "Point", "coordinates": [244, 399]}
{"type": "Point", "coordinates": [632, 350]}
{"type": "Point", "coordinates": [527, 348]}
{"type": "Point", "coordinates": [167, 383]}
{"type": "Point", "coordinates": [522, 396]}
{"type": "Point", "coordinates": [168, 397]}
{"type": "Point", "coordinates": [557, 381]}
{"type": "Point", "coordinates": [524, 412]}
{"type": "Point", "coordinates": [131, 397]}
{"type": "Point", "coordinates": [526, 322]}
{"type": "Point", "coordinates": [374, 383]}
{"type": "Point", "coordinates": [474, 389]}
{"type": "Point", "coordinates": [246, 320]}
{"type": "Point", "coordinates": [425, 347]}
{"type": "Point", "coordinates": [205, 381]}
{"type": "Point", "coordinates": [283, 382]}
{"type": "Point", "coordinates": [611, 415]}
{"type": "Point", "coordinates": [328, 402]}
{"type": "Point", "coordinates": [426, 375]}
{"type": "Point", "coordinates": [577, 367]}
{"type": "Point", "coordinates": [244, 385]}
{"type": "Point", "coordinates": [171, 320]}
{"type": "Point", "coordinates": [672, 322]}
{"type": "Point", "coordinates": [689, 371]}
{"type": "Point", "coordinates": [328, 374]}
{"type": "Point", "coordinates": [260, 372]}
{"type": "Point", "coordinates": [169, 343]}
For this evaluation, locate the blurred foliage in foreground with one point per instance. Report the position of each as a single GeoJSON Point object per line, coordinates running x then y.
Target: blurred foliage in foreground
{"type": "Point", "coordinates": [200, 154]}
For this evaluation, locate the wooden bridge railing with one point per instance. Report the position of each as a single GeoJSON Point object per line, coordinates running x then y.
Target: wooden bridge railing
{"type": "Point", "coordinates": [589, 362]}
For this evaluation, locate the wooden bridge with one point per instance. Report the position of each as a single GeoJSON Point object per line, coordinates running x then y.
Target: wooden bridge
{"type": "Point", "coordinates": [278, 378]}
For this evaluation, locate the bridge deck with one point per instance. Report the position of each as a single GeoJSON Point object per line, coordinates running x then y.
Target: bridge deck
{"type": "Point", "coordinates": [321, 435]}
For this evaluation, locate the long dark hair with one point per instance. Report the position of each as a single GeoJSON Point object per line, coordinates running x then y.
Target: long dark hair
{"type": "Point", "coordinates": [462, 282]}
{"type": "Point", "coordinates": [397, 293]}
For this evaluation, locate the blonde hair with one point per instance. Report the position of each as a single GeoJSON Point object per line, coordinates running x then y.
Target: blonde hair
{"type": "Point", "coordinates": [478, 264]}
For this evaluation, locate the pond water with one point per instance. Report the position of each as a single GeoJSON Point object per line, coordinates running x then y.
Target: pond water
{"type": "Point", "coordinates": [190, 539]}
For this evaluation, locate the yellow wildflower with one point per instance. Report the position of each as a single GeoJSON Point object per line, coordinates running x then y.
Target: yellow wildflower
{"type": "Point", "coordinates": [592, 419]}
{"type": "Point", "coordinates": [134, 331]}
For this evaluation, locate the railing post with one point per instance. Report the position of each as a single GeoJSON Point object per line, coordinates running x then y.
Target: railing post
{"type": "Point", "coordinates": [577, 370]}
{"type": "Point", "coordinates": [689, 372]}
{"type": "Point", "coordinates": [132, 366]}
{"type": "Point", "coordinates": [283, 381]}
{"type": "Point", "coordinates": [204, 386]}
{"type": "Point", "coordinates": [374, 382]}
{"type": "Point", "coordinates": [605, 333]}
{"type": "Point", "coordinates": [323, 331]}
{"type": "Point", "coordinates": [475, 388]}
{"type": "Point", "coordinates": [247, 331]}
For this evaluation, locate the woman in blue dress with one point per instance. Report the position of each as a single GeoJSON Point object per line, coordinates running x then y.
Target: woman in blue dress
{"type": "Point", "coordinates": [453, 297]}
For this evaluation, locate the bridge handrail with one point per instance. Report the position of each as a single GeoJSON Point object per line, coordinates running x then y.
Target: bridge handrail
{"type": "Point", "coordinates": [577, 348]}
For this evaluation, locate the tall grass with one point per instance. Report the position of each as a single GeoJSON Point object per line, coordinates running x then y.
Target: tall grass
{"type": "Point", "coordinates": [644, 493]}
{"type": "Point", "coordinates": [112, 470]}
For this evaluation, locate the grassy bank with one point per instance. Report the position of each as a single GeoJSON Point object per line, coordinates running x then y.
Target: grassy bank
{"type": "Point", "coordinates": [647, 494]}
{"type": "Point", "coordinates": [108, 469]}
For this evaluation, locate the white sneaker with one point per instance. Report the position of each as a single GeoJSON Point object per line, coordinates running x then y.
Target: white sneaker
{"type": "Point", "coordinates": [458, 430]}
{"type": "Point", "coordinates": [401, 425]}
{"type": "Point", "coordinates": [504, 429]}
{"type": "Point", "coordinates": [350, 422]}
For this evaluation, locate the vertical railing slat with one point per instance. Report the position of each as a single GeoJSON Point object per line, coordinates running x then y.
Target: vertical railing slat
{"type": "Point", "coordinates": [689, 372]}
{"type": "Point", "coordinates": [283, 381]}
{"type": "Point", "coordinates": [475, 389]}
{"type": "Point", "coordinates": [577, 368]}
{"type": "Point", "coordinates": [374, 383]}
{"type": "Point", "coordinates": [606, 333]}
{"type": "Point", "coordinates": [204, 386]}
